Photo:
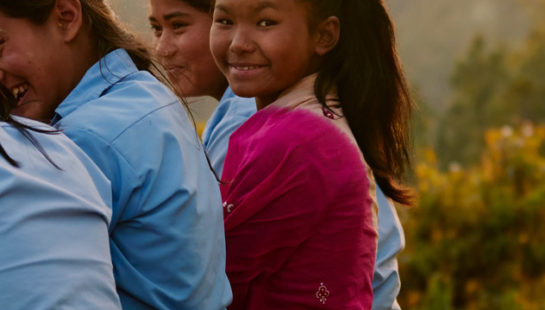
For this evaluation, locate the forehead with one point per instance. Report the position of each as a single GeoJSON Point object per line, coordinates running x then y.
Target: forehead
{"type": "Point", "coordinates": [256, 6]}
{"type": "Point", "coordinates": [169, 4]}
{"type": "Point", "coordinates": [169, 9]}
{"type": "Point", "coordinates": [11, 24]}
{"type": "Point", "coordinates": [23, 36]}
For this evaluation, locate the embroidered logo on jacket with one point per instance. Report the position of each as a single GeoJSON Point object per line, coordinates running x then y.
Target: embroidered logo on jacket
{"type": "Point", "coordinates": [322, 293]}
{"type": "Point", "coordinates": [228, 206]}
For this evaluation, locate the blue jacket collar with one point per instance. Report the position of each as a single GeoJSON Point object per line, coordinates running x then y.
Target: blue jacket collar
{"type": "Point", "coordinates": [112, 68]}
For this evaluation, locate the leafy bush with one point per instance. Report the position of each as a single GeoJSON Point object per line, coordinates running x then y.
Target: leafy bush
{"type": "Point", "coordinates": [476, 239]}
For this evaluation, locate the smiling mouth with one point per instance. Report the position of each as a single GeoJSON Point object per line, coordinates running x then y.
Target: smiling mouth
{"type": "Point", "coordinates": [19, 91]}
{"type": "Point", "coordinates": [246, 67]}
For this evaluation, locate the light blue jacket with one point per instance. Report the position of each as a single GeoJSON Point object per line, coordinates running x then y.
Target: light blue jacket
{"type": "Point", "coordinates": [166, 236]}
{"type": "Point", "coordinates": [54, 251]}
{"type": "Point", "coordinates": [231, 112]}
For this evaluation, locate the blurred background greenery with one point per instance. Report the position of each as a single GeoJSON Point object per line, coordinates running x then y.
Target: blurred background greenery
{"type": "Point", "coordinates": [477, 71]}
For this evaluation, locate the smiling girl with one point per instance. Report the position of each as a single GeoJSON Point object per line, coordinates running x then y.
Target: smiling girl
{"type": "Point", "coordinates": [71, 63]}
{"type": "Point", "coordinates": [299, 176]}
{"type": "Point", "coordinates": [181, 29]}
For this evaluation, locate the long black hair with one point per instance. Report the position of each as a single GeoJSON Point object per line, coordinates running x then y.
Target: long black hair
{"type": "Point", "coordinates": [374, 96]}
{"type": "Point", "coordinates": [8, 102]}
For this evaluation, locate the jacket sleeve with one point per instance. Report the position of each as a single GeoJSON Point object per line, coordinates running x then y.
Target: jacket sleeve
{"type": "Point", "coordinates": [391, 240]}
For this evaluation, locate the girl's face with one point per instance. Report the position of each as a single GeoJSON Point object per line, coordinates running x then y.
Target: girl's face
{"type": "Point", "coordinates": [182, 46]}
{"type": "Point", "coordinates": [29, 60]}
{"type": "Point", "coordinates": [262, 46]}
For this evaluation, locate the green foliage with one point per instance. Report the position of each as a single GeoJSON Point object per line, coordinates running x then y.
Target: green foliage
{"type": "Point", "coordinates": [475, 240]}
{"type": "Point", "coordinates": [423, 119]}
{"type": "Point", "coordinates": [491, 89]}
{"type": "Point", "coordinates": [476, 82]}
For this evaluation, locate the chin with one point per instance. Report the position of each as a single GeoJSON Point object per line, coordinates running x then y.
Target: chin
{"type": "Point", "coordinates": [245, 89]}
{"type": "Point", "coordinates": [182, 90]}
{"type": "Point", "coordinates": [241, 92]}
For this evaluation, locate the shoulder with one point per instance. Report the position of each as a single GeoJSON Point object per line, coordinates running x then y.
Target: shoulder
{"type": "Point", "coordinates": [137, 105]}
{"type": "Point", "coordinates": [277, 128]}
{"type": "Point", "coordinates": [138, 95]}
{"type": "Point", "coordinates": [234, 109]}
{"type": "Point", "coordinates": [51, 141]}
{"type": "Point", "coordinates": [293, 138]}
{"type": "Point", "coordinates": [236, 105]}
{"type": "Point", "coordinates": [77, 176]}
{"type": "Point", "coordinates": [230, 113]}
{"type": "Point", "coordinates": [281, 154]}
{"type": "Point", "coordinates": [141, 85]}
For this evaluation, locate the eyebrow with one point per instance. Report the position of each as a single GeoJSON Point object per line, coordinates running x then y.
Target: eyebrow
{"type": "Point", "coordinates": [259, 7]}
{"type": "Point", "coordinates": [169, 16]}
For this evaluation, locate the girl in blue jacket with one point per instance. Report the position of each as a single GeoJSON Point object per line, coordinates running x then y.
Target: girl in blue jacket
{"type": "Point", "coordinates": [70, 63]}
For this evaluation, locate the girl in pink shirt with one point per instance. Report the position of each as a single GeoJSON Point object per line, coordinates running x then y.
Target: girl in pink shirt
{"type": "Point", "coordinates": [299, 176]}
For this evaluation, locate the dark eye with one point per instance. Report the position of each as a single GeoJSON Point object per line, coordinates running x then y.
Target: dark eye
{"type": "Point", "coordinates": [178, 25]}
{"type": "Point", "coordinates": [266, 23]}
{"type": "Point", "coordinates": [156, 30]}
{"type": "Point", "coordinates": [223, 21]}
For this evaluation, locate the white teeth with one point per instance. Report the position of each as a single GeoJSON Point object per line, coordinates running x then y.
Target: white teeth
{"type": "Point", "coordinates": [247, 68]}
{"type": "Point", "coordinates": [18, 92]}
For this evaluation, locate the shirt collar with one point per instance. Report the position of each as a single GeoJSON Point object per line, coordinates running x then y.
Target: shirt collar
{"type": "Point", "coordinates": [113, 67]}
{"type": "Point", "coordinates": [227, 94]}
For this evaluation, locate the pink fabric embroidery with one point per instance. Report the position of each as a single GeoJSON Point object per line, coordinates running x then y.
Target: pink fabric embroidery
{"type": "Point", "coordinates": [322, 293]}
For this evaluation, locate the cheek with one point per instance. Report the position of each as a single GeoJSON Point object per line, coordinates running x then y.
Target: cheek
{"type": "Point", "coordinates": [200, 50]}
{"type": "Point", "coordinates": [16, 63]}
{"type": "Point", "coordinates": [193, 46]}
{"type": "Point", "coordinates": [42, 75]}
{"type": "Point", "coordinates": [293, 61]}
{"type": "Point", "coordinates": [278, 47]}
{"type": "Point", "coordinates": [218, 46]}
{"type": "Point", "coordinates": [184, 48]}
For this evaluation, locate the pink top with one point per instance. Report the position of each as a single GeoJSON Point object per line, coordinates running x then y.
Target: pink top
{"type": "Point", "coordinates": [299, 219]}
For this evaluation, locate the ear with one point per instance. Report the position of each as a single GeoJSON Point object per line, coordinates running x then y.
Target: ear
{"type": "Point", "coordinates": [328, 33]}
{"type": "Point", "coordinates": [68, 16]}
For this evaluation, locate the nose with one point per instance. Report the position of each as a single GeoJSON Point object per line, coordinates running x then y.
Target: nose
{"type": "Point", "coordinates": [242, 42]}
{"type": "Point", "coordinates": [164, 46]}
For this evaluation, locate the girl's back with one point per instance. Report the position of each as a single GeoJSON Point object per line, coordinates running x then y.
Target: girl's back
{"type": "Point", "coordinates": [299, 216]}
{"type": "Point", "coordinates": [53, 226]}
